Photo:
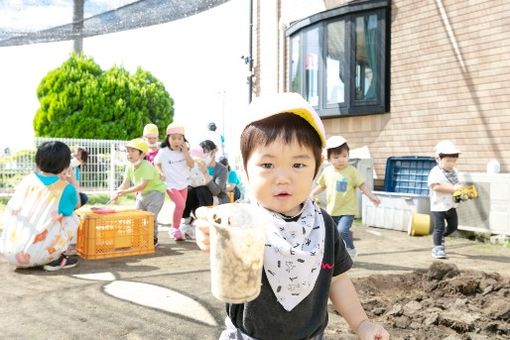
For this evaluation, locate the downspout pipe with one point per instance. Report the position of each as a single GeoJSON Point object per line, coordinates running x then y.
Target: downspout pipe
{"type": "Point", "coordinates": [250, 53]}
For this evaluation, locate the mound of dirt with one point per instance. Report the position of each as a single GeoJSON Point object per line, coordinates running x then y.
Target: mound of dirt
{"type": "Point", "coordinates": [439, 303]}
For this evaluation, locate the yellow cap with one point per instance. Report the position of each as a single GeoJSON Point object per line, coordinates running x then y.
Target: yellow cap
{"type": "Point", "coordinates": [150, 130]}
{"type": "Point", "coordinates": [175, 128]}
{"type": "Point", "coordinates": [270, 105]}
{"type": "Point", "coordinates": [139, 144]}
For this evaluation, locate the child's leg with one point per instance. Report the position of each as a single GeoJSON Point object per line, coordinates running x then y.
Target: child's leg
{"type": "Point", "coordinates": [344, 228]}
{"type": "Point", "coordinates": [152, 202]}
{"type": "Point", "coordinates": [452, 221]}
{"type": "Point", "coordinates": [439, 227]}
{"type": "Point", "coordinates": [179, 199]}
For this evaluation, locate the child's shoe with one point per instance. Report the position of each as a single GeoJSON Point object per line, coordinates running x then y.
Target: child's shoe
{"type": "Point", "coordinates": [176, 234]}
{"type": "Point", "coordinates": [63, 262]}
{"type": "Point", "coordinates": [438, 252]}
{"type": "Point", "coordinates": [156, 242]}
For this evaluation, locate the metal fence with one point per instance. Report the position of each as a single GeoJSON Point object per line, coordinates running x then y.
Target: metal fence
{"type": "Point", "coordinates": [102, 173]}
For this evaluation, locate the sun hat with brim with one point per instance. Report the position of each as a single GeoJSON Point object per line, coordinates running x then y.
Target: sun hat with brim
{"type": "Point", "coordinates": [174, 128]}
{"type": "Point", "coordinates": [150, 130]}
{"type": "Point", "coordinates": [139, 144]}
{"type": "Point", "coordinates": [269, 105]}
{"type": "Point", "coordinates": [335, 142]}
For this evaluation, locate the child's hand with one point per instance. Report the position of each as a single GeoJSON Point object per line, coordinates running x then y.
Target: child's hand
{"type": "Point", "coordinates": [371, 331]}
{"type": "Point", "coordinates": [202, 234]}
{"type": "Point", "coordinates": [184, 148]}
{"type": "Point", "coordinates": [116, 195]}
{"type": "Point", "coordinates": [376, 200]}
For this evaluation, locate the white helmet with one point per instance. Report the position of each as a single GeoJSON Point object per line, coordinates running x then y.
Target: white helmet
{"type": "Point", "coordinates": [446, 147]}
{"type": "Point", "coordinates": [335, 142]}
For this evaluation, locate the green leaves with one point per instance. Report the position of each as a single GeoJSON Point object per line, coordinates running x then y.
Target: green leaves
{"type": "Point", "coordinates": [79, 100]}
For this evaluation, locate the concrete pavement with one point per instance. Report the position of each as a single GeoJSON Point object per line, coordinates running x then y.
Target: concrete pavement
{"type": "Point", "coordinates": [167, 295]}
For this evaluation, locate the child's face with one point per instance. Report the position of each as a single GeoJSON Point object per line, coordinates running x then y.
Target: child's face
{"type": "Point", "coordinates": [280, 176]}
{"type": "Point", "coordinates": [134, 155]}
{"type": "Point", "coordinates": [151, 140]}
{"type": "Point", "coordinates": [447, 163]}
{"type": "Point", "coordinates": [176, 141]}
{"type": "Point", "coordinates": [339, 160]}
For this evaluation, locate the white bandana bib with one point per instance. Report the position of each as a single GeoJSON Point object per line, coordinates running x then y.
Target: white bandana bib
{"type": "Point", "coordinates": [293, 254]}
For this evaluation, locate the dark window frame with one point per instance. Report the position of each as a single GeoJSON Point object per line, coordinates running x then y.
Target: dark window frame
{"type": "Point", "coordinates": [348, 13]}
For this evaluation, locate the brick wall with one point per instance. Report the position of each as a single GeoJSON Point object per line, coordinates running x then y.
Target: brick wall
{"type": "Point", "coordinates": [449, 76]}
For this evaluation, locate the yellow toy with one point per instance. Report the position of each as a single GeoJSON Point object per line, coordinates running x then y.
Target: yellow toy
{"type": "Point", "coordinates": [464, 194]}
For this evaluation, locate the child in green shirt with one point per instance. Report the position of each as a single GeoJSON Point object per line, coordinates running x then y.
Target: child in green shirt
{"type": "Point", "coordinates": [145, 182]}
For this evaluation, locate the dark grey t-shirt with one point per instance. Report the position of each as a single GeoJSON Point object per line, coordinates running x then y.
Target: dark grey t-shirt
{"type": "Point", "coordinates": [265, 318]}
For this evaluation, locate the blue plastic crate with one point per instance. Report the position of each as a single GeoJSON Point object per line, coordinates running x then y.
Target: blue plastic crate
{"type": "Point", "coordinates": [408, 174]}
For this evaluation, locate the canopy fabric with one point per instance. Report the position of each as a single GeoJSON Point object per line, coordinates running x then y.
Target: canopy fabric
{"type": "Point", "coordinates": [32, 21]}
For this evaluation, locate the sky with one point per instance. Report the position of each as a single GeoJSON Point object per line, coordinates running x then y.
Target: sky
{"type": "Point", "coordinates": [198, 59]}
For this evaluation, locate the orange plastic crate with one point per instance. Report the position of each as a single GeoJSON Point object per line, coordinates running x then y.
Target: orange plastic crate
{"type": "Point", "coordinates": [123, 233]}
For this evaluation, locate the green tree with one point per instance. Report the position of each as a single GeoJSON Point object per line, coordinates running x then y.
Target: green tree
{"type": "Point", "coordinates": [79, 100]}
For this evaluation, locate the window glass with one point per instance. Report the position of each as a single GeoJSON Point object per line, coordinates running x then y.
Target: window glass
{"type": "Point", "coordinates": [366, 57]}
{"type": "Point", "coordinates": [335, 62]}
{"type": "Point", "coordinates": [295, 64]}
{"type": "Point", "coordinates": [311, 66]}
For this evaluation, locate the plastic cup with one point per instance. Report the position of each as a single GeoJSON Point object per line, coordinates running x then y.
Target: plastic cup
{"type": "Point", "coordinates": [237, 256]}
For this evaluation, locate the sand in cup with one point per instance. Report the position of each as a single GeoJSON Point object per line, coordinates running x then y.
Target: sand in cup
{"type": "Point", "coordinates": [237, 238]}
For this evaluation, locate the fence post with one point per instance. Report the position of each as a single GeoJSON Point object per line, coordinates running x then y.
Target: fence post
{"type": "Point", "coordinates": [111, 176]}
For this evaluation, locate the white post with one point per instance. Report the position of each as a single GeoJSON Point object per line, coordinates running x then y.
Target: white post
{"type": "Point", "coordinates": [111, 175]}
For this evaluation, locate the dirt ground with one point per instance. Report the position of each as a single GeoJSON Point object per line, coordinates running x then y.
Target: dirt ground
{"type": "Point", "coordinates": [440, 302]}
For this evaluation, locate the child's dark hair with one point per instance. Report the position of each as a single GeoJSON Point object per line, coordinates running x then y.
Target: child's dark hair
{"type": "Point", "coordinates": [287, 126]}
{"type": "Point", "coordinates": [453, 155]}
{"type": "Point", "coordinates": [166, 143]}
{"type": "Point", "coordinates": [224, 161]}
{"type": "Point", "coordinates": [84, 154]}
{"type": "Point", "coordinates": [208, 145]}
{"type": "Point", "coordinates": [338, 150]}
{"type": "Point", "coordinates": [53, 157]}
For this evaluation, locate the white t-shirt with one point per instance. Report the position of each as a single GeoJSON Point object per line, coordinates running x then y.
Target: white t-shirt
{"type": "Point", "coordinates": [439, 201]}
{"type": "Point", "coordinates": [175, 169]}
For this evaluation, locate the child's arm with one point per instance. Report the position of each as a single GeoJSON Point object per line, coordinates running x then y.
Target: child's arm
{"type": "Point", "coordinates": [123, 186]}
{"type": "Point", "coordinates": [366, 190]}
{"type": "Point", "coordinates": [189, 161]}
{"type": "Point", "coordinates": [345, 299]}
{"type": "Point", "coordinates": [317, 190]}
{"type": "Point", "coordinates": [446, 188]}
{"type": "Point", "coordinates": [160, 170]}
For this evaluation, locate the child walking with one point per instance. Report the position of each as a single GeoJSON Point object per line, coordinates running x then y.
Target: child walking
{"type": "Point", "coordinates": [443, 181]}
{"type": "Point", "coordinates": [144, 180]}
{"type": "Point", "coordinates": [150, 134]}
{"type": "Point", "coordinates": [39, 220]}
{"type": "Point", "coordinates": [340, 180]}
{"type": "Point", "coordinates": [174, 165]}
{"type": "Point", "coordinates": [305, 261]}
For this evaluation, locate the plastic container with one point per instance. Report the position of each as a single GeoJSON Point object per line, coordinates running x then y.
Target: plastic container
{"type": "Point", "coordinates": [419, 225]}
{"type": "Point", "coordinates": [408, 174]}
{"type": "Point", "coordinates": [122, 233]}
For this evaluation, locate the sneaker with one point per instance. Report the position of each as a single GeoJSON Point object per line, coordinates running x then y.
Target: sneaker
{"type": "Point", "coordinates": [438, 252]}
{"type": "Point", "coordinates": [156, 242]}
{"type": "Point", "coordinates": [176, 234]}
{"type": "Point", "coordinates": [63, 262]}
{"type": "Point", "coordinates": [351, 252]}
{"type": "Point", "coordinates": [188, 231]}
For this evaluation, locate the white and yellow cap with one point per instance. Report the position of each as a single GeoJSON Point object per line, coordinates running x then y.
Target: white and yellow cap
{"type": "Point", "coordinates": [150, 130]}
{"type": "Point", "coordinates": [269, 105]}
{"type": "Point", "coordinates": [139, 144]}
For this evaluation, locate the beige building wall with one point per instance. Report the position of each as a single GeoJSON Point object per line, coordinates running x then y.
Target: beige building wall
{"type": "Point", "coordinates": [450, 78]}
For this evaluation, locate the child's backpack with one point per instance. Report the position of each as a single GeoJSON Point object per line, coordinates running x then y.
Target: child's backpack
{"type": "Point", "coordinates": [34, 233]}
